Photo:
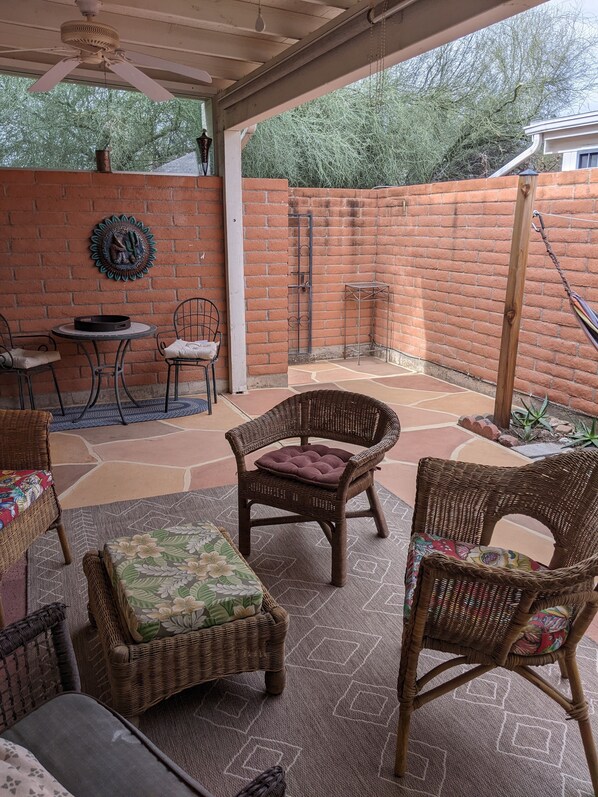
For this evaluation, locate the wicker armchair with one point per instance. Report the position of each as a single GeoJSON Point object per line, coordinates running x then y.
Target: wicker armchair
{"type": "Point", "coordinates": [479, 612]}
{"type": "Point", "coordinates": [37, 668]}
{"type": "Point", "coordinates": [332, 415]}
{"type": "Point", "coordinates": [24, 446]}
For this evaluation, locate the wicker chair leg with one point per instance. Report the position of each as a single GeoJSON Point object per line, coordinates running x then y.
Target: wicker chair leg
{"type": "Point", "coordinates": [405, 714]}
{"type": "Point", "coordinates": [275, 682]}
{"type": "Point", "coordinates": [563, 668]}
{"type": "Point", "coordinates": [376, 508]}
{"type": "Point", "coordinates": [244, 526]}
{"type": "Point", "coordinates": [579, 700]}
{"type": "Point", "coordinates": [64, 544]}
{"type": "Point", "coordinates": [339, 554]}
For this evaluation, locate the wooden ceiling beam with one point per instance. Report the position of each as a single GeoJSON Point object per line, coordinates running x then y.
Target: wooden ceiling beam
{"type": "Point", "coordinates": [340, 53]}
{"type": "Point", "coordinates": [229, 16]}
{"type": "Point", "coordinates": [146, 32]}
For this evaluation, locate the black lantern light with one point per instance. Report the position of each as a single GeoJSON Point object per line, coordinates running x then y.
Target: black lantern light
{"type": "Point", "coordinates": [204, 142]}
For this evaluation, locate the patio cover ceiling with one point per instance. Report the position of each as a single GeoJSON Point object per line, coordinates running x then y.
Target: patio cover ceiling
{"type": "Point", "coordinates": [309, 47]}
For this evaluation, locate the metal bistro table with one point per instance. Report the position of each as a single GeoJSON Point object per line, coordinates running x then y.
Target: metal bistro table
{"type": "Point", "coordinates": [100, 367]}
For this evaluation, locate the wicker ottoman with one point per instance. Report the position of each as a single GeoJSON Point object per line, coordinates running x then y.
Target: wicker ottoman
{"type": "Point", "coordinates": [142, 674]}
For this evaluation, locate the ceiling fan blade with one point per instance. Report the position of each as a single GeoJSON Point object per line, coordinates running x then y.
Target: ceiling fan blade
{"type": "Point", "coordinates": [143, 59]}
{"type": "Point", "coordinates": [140, 81]}
{"type": "Point", "coordinates": [54, 75]}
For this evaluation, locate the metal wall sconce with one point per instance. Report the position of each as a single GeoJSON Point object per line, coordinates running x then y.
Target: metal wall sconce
{"type": "Point", "coordinates": [204, 142]}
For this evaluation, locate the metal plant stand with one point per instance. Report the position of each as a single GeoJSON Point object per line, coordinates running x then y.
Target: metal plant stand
{"type": "Point", "coordinates": [88, 341]}
{"type": "Point", "coordinates": [370, 292]}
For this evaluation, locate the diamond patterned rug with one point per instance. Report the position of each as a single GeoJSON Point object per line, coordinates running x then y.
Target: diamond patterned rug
{"type": "Point", "coordinates": [333, 728]}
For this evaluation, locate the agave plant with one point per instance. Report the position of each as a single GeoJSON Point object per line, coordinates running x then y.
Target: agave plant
{"type": "Point", "coordinates": [585, 436]}
{"type": "Point", "coordinates": [526, 422]}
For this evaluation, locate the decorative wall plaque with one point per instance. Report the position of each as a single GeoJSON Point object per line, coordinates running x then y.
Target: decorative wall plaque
{"type": "Point", "coordinates": [122, 247]}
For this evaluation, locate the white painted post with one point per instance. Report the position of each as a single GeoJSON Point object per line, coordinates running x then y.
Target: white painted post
{"type": "Point", "coordinates": [235, 266]}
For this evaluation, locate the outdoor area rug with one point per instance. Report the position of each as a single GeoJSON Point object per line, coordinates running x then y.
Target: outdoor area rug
{"type": "Point", "coordinates": [107, 414]}
{"type": "Point", "coordinates": [333, 728]}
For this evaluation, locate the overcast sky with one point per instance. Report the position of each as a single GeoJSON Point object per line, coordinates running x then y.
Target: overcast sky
{"type": "Point", "coordinates": [589, 8]}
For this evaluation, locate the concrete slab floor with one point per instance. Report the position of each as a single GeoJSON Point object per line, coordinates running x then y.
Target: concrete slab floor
{"type": "Point", "coordinates": [117, 463]}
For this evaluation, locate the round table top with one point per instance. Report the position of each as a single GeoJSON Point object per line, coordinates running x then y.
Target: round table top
{"type": "Point", "coordinates": [136, 330]}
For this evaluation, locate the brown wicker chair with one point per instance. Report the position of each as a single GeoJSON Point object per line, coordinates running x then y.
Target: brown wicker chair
{"type": "Point", "coordinates": [478, 612]}
{"type": "Point", "coordinates": [331, 415]}
{"type": "Point", "coordinates": [24, 446]}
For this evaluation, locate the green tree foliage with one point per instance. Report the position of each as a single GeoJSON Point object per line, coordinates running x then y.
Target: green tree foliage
{"type": "Point", "coordinates": [453, 113]}
{"type": "Point", "coordinates": [61, 129]}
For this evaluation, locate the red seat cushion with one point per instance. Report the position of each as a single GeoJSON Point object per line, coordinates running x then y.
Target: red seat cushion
{"type": "Point", "coordinates": [19, 489]}
{"type": "Point", "coordinates": [314, 464]}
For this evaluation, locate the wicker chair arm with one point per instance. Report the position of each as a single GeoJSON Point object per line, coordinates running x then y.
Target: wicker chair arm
{"type": "Point", "coordinates": [361, 463]}
{"type": "Point", "coordinates": [6, 359]}
{"type": "Point", "coordinates": [270, 783]}
{"type": "Point", "coordinates": [476, 607]}
{"type": "Point", "coordinates": [24, 439]}
{"type": "Point", "coordinates": [456, 499]}
{"type": "Point", "coordinates": [48, 343]}
{"type": "Point", "coordinates": [560, 581]}
{"type": "Point", "coordinates": [271, 427]}
{"type": "Point", "coordinates": [37, 662]}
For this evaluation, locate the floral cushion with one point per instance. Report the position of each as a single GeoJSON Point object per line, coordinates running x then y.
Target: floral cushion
{"type": "Point", "coordinates": [545, 632]}
{"type": "Point", "coordinates": [314, 464]}
{"type": "Point", "coordinates": [19, 489]}
{"type": "Point", "coordinates": [180, 579]}
{"type": "Point", "coordinates": [21, 774]}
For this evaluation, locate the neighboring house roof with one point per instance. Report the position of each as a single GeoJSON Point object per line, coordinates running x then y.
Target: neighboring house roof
{"type": "Point", "coordinates": [186, 164]}
{"type": "Point", "coordinates": [563, 134]}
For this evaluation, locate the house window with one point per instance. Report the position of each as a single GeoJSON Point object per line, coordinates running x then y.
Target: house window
{"type": "Point", "coordinates": [587, 160]}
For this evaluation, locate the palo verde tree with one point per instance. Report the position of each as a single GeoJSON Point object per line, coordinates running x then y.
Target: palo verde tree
{"type": "Point", "coordinates": [61, 129]}
{"type": "Point", "coordinates": [453, 113]}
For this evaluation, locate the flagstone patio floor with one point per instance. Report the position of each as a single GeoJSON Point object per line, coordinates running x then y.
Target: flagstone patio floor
{"type": "Point", "coordinates": [118, 463]}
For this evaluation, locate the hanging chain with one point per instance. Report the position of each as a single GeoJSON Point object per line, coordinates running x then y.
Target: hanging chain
{"type": "Point", "coordinates": [540, 229]}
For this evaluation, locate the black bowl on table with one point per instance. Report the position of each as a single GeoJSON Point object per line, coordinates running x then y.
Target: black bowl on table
{"type": "Point", "coordinates": [102, 323]}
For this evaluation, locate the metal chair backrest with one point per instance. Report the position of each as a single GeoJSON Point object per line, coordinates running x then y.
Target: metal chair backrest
{"type": "Point", "coordinates": [5, 334]}
{"type": "Point", "coordinates": [196, 319]}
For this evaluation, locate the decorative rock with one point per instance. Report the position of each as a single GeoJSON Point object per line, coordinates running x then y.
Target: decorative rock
{"type": "Point", "coordinates": [509, 440]}
{"type": "Point", "coordinates": [564, 428]}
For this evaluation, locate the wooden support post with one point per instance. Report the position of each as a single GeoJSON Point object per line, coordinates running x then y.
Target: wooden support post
{"type": "Point", "coordinates": [505, 380]}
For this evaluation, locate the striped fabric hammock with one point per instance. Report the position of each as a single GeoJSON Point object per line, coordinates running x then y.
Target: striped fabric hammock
{"type": "Point", "coordinates": [586, 316]}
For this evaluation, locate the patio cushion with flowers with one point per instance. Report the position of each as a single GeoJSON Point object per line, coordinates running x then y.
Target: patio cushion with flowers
{"type": "Point", "coordinates": [179, 579]}
{"type": "Point", "coordinates": [18, 490]}
{"type": "Point", "coordinates": [545, 632]}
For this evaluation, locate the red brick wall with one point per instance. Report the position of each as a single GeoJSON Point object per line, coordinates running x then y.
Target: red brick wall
{"type": "Point", "coordinates": [444, 248]}
{"type": "Point", "coordinates": [47, 275]}
{"type": "Point", "coordinates": [344, 250]}
{"type": "Point", "coordinates": [266, 208]}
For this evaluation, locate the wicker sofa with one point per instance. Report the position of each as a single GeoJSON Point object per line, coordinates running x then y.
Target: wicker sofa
{"type": "Point", "coordinates": [89, 749]}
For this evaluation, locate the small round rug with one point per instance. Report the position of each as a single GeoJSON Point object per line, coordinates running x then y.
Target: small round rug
{"type": "Point", "coordinates": [107, 414]}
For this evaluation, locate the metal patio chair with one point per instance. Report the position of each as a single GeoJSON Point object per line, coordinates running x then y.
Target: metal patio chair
{"type": "Point", "coordinates": [25, 362]}
{"type": "Point", "coordinates": [193, 320]}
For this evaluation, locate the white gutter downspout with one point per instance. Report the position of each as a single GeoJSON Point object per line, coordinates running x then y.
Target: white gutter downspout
{"type": "Point", "coordinates": [246, 135]}
{"type": "Point", "coordinates": [531, 150]}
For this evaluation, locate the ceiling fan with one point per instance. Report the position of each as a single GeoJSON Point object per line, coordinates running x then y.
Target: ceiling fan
{"type": "Point", "coordinates": [93, 42]}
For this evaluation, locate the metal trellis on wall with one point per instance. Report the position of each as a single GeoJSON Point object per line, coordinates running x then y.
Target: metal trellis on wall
{"type": "Point", "coordinates": [300, 286]}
